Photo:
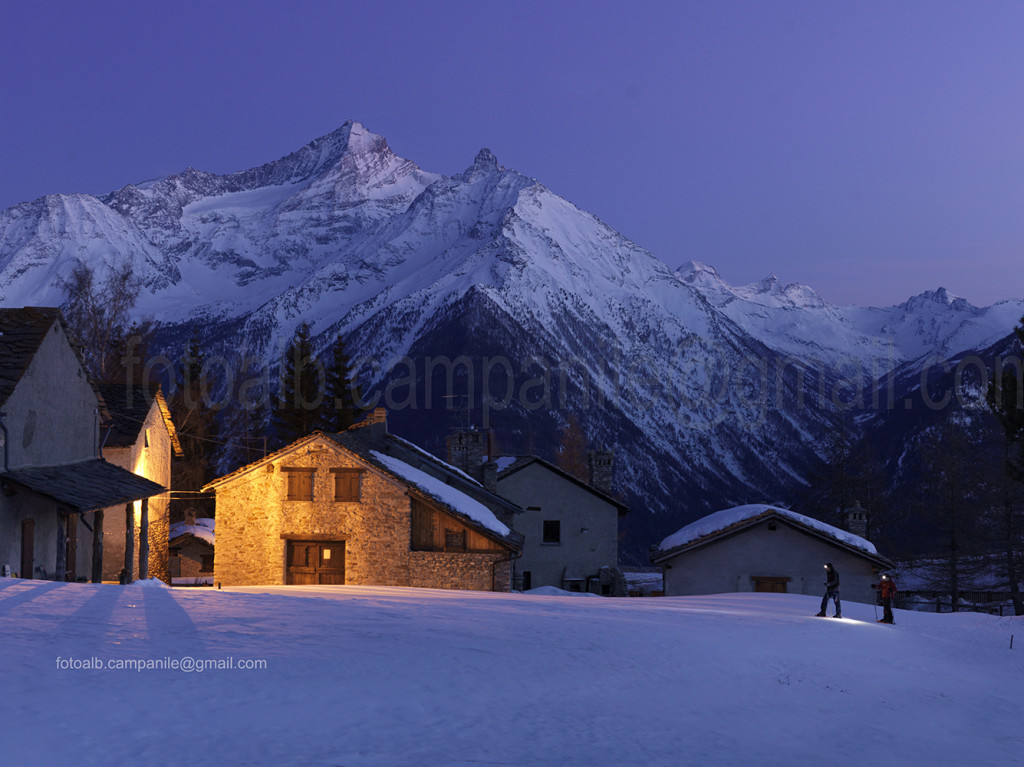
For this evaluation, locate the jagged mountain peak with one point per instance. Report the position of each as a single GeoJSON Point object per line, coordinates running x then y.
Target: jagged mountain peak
{"type": "Point", "coordinates": [771, 289]}
{"type": "Point", "coordinates": [691, 269]}
{"type": "Point", "coordinates": [941, 297]}
{"type": "Point", "coordinates": [485, 159]}
{"type": "Point", "coordinates": [484, 164]}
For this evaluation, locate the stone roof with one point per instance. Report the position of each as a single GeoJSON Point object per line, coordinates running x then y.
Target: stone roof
{"type": "Point", "coordinates": [85, 485]}
{"type": "Point", "coordinates": [365, 442]}
{"type": "Point", "coordinates": [129, 407]}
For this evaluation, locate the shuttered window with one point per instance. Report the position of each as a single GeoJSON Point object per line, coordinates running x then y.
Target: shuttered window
{"type": "Point", "coordinates": [454, 540]}
{"type": "Point", "coordinates": [300, 483]}
{"type": "Point", "coordinates": [347, 485]}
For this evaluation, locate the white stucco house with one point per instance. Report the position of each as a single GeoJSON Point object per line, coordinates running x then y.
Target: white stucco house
{"type": "Point", "coordinates": [54, 485]}
{"type": "Point", "coordinates": [570, 526]}
{"type": "Point", "coordinates": [759, 547]}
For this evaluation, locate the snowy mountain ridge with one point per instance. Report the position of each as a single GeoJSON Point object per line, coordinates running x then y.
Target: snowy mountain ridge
{"type": "Point", "coordinates": [795, 320]}
{"type": "Point", "coordinates": [680, 372]}
{"type": "Point", "coordinates": [345, 211]}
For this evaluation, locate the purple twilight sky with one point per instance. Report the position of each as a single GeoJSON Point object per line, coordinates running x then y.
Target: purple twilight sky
{"type": "Point", "coordinates": [870, 150]}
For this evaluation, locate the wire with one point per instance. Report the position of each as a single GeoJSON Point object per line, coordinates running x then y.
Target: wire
{"type": "Point", "coordinates": [193, 436]}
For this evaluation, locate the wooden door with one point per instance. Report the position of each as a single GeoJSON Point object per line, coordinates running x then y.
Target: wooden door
{"type": "Point", "coordinates": [770, 585]}
{"type": "Point", "coordinates": [28, 546]}
{"type": "Point", "coordinates": [316, 562]}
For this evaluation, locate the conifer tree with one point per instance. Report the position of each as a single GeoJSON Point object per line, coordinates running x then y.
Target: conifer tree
{"type": "Point", "coordinates": [194, 420]}
{"type": "Point", "coordinates": [244, 423]}
{"type": "Point", "coordinates": [340, 407]}
{"type": "Point", "coordinates": [951, 501]}
{"type": "Point", "coordinates": [1005, 399]}
{"type": "Point", "coordinates": [301, 392]}
{"type": "Point", "coordinates": [572, 449]}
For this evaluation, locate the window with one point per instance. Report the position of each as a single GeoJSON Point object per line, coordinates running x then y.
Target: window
{"type": "Point", "coordinates": [454, 540]}
{"type": "Point", "coordinates": [552, 531]}
{"type": "Point", "coordinates": [300, 483]}
{"type": "Point", "coordinates": [206, 563]}
{"type": "Point", "coordinates": [347, 484]}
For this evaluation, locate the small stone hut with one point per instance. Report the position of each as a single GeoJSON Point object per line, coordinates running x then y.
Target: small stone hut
{"type": "Point", "coordinates": [361, 507]}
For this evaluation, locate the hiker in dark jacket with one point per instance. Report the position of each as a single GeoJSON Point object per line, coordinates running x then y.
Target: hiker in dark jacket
{"type": "Point", "coordinates": [831, 591]}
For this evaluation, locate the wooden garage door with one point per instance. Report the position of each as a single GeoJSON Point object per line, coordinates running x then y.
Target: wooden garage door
{"type": "Point", "coordinates": [770, 584]}
{"type": "Point", "coordinates": [316, 562]}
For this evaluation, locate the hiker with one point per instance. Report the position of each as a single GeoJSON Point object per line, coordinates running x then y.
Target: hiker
{"type": "Point", "coordinates": [831, 591]}
{"type": "Point", "coordinates": [886, 591]}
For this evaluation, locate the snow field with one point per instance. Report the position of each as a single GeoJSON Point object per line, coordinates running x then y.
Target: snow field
{"type": "Point", "coordinates": [389, 676]}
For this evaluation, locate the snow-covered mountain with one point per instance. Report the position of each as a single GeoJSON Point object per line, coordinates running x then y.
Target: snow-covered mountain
{"type": "Point", "coordinates": [794, 320]}
{"type": "Point", "coordinates": [489, 285]}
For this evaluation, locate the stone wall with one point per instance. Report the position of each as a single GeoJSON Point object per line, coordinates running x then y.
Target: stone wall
{"type": "Point", "coordinates": [255, 520]}
{"type": "Point", "coordinates": [188, 561]}
{"type": "Point", "coordinates": [446, 570]}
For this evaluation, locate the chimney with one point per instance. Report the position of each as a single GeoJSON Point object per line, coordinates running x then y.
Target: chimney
{"type": "Point", "coordinates": [599, 466]}
{"type": "Point", "coordinates": [466, 451]}
{"type": "Point", "coordinates": [857, 520]}
{"type": "Point", "coordinates": [490, 476]}
{"type": "Point", "coordinates": [375, 422]}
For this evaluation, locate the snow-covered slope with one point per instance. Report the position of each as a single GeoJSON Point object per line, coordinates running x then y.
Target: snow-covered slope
{"type": "Point", "coordinates": [368, 676]}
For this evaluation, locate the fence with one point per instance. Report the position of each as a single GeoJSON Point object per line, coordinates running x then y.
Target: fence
{"type": "Point", "coordinates": [992, 603]}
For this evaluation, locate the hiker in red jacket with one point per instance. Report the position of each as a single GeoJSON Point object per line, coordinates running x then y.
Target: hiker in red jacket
{"type": "Point", "coordinates": [886, 590]}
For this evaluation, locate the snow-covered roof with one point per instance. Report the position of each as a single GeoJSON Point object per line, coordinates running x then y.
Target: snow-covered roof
{"type": "Point", "coordinates": [446, 494]}
{"type": "Point", "coordinates": [722, 521]}
{"type": "Point", "coordinates": [504, 461]}
{"type": "Point", "coordinates": [431, 457]}
{"type": "Point", "coordinates": [204, 529]}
